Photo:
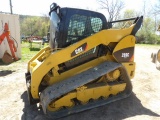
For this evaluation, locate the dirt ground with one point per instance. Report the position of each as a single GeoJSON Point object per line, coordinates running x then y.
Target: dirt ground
{"type": "Point", "coordinates": [143, 104]}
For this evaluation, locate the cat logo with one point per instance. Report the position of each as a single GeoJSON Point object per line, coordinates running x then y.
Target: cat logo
{"type": "Point", "coordinates": [79, 50]}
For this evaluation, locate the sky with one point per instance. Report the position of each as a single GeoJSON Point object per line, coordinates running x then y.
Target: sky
{"type": "Point", "coordinates": [41, 7]}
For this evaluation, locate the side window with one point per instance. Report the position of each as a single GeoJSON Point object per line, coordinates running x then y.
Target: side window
{"type": "Point", "coordinates": [96, 24]}
{"type": "Point", "coordinates": [76, 27]}
{"type": "Point", "coordinates": [81, 26]}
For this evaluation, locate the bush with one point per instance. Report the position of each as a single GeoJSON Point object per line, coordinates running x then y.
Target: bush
{"type": "Point", "coordinates": [148, 38]}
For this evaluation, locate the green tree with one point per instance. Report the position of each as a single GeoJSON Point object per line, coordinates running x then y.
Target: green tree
{"type": "Point", "coordinates": [34, 26]}
{"type": "Point", "coordinates": [147, 33]}
{"type": "Point", "coordinates": [127, 14]}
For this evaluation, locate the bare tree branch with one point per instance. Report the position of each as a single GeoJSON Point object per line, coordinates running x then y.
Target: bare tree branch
{"type": "Point", "coordinates": [113, 7]}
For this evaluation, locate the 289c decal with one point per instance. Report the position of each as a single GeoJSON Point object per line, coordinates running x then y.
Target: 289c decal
{"type": "Point", "coordinates": [125, 55]}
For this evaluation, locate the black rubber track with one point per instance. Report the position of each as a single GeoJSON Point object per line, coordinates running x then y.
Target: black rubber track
{"type": "Point", "coordinates": [56, 90]}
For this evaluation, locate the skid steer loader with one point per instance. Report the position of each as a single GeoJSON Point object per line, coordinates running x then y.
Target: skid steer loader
{"type": "Point", "coordinates": [155, 56]}
{"type": "Point", "coordinates": [156, 59]}
{"type": "Point", "coordinates": [88, 63]}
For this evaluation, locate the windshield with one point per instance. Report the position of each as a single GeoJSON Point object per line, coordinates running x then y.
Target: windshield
{"type": "Point", "coordinates": [54, 20]}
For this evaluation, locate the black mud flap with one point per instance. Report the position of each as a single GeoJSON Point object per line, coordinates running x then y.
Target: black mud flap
{"type": "Point", "coordinates": [30, 98]}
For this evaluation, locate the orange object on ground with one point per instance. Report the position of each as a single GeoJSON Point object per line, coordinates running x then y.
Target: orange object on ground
{"type": "Point", "coordinates": [7, 58]}
{"type": "Point", "coordinates": [6, 33]}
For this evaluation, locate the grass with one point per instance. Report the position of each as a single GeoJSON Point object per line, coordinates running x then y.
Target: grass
{"type": "Point", "coordinates": [26, 52]}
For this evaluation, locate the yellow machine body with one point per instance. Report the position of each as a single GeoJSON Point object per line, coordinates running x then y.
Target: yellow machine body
{"type": "Point", "coordinates": [82, 70]}
{"type": "Point", "coordinates": [45, 60]}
